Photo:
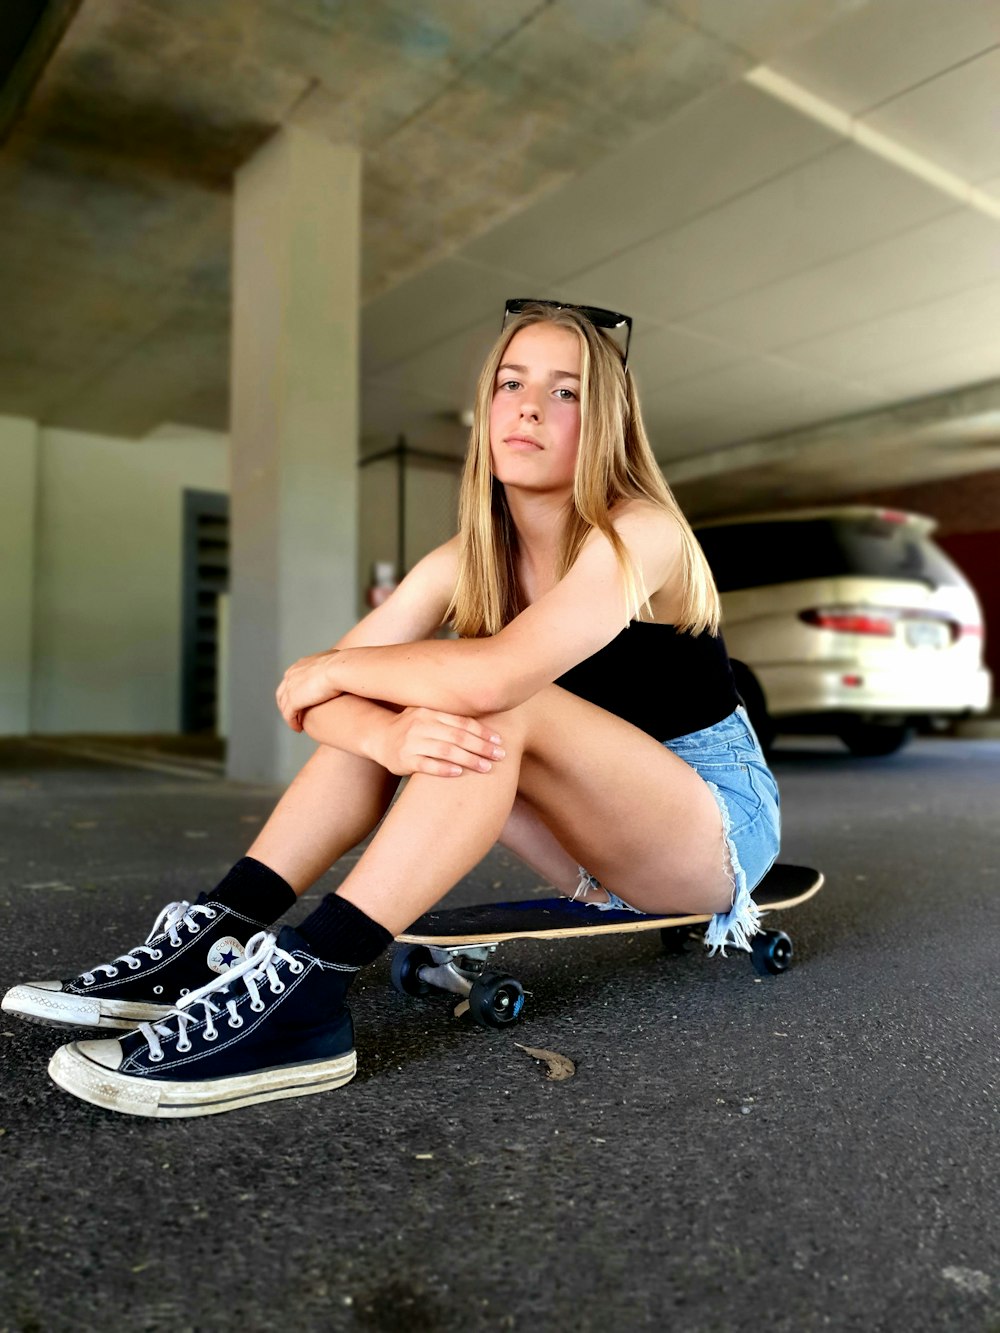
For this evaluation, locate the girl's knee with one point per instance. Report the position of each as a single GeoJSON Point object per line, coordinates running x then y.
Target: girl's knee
{"type": "Point", "coordinates": [511, 726]}
{"type": "Point", "coordinates": [515, 726]}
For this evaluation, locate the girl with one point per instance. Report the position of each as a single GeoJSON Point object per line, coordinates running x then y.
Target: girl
{"type": "Point", "coordinates": [586, 718]}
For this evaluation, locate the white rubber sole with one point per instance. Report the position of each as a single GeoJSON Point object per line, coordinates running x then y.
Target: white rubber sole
{"type": "Point", "coordinates": [73, 1071]}
{"type": "Point", "coordinates": [61, 1009]}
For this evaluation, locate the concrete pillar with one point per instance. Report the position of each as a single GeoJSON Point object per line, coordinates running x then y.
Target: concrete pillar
{"type": "Point", "coordinates": [294, 431]}
{"type": "Point", "coordinates": [18, 482]}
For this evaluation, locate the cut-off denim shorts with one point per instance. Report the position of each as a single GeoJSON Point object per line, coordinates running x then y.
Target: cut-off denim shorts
{"type": "Point", "coordinates": [729, 758]}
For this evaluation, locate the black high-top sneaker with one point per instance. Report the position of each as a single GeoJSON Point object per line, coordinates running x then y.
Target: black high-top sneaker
{"type": "Point", "coordinates": [189, 945]}
{"type": "Point", "coordinates": [276, 1025]}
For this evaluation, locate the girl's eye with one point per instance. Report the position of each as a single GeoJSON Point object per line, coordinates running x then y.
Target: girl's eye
{"type": "Point", "coordinates": [564, 395]}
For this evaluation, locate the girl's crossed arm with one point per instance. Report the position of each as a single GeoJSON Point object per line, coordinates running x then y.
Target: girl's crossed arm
{"type": "Point", "coordinates": [583, 612]}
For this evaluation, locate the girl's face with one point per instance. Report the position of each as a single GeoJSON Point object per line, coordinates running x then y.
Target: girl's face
{"type": "Point", "coordinates": [535, 414]}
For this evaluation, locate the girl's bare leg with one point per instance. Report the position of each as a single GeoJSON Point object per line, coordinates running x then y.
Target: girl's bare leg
{"type": "Point", "coordinates": [528, 837]}
{"type": "Point", "coordinates": [537, 846]}
{"type": "Point", "coordinates": [337, 799]}
{"type": "Point", "coordinates": [334, 802]}
{"type": "Point", "coordinates": [616, 800]}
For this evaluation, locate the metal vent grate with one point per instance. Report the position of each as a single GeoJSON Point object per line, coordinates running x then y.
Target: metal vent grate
{"type": "Point", "coordinates": [206, 575]}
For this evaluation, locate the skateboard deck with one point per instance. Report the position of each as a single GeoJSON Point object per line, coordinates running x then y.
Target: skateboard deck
{"type": "Point", "coordinates": [447, 949]}
{"type": "Point", "coordinates": [560, 918]}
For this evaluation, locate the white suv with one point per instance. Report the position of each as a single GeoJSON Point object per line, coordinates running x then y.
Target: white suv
{"type": "Point", "coordinates": [847, 620]}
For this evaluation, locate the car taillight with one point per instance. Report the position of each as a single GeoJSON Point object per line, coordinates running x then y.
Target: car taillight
{"type": "Point", "coordinates": [851, 620]}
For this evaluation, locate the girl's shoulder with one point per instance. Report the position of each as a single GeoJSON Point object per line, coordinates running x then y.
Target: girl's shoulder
{"type": "Point", "coordinates": [443, 564]}
{"type": "Point", "coordinates": [432, 579]}
{"type": "Point", "coordinates": [446, 556]}
{"type": "Point", "coordinates": [638, 516]}
{"type": "Point", "coordinates": [637, 505]}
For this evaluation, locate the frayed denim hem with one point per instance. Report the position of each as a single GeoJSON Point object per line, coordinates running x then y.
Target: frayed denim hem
{"type": "Point", "coordinates": [614, 903]}
{"type": "Point", "coordinates": [740, 924]}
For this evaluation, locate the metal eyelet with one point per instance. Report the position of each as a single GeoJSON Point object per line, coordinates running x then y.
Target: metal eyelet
{"type": "Point", "coordinates": [194, 928]}
{"type": "Point", "coordinates": [277, 988]}
{"type": "Point", "coordinates": [236, 1022]}
{"type": "Point", "coordinates": [156, 955]}
{"type": "Point", "coordinates": [134, 966]}
{"type": "Point", "coordinates": [257, 1005]}
{"type": "Point", "coordinates": [157, 990]}
{"type": "Point", "coordinates": [182, 1049]}
{"type": "Point", "coordinates": [185, 990]}
{"type": "Point", "coordinates": [297, 967]}
{"type": "Point", "coordinates": [211, 913]}
{"type": "Point", "coordinates": [209, 1036]}
{"type": "Point", "coordinates": [155, 1059]}
{"type": "Point", "coordinates": [112, 971]}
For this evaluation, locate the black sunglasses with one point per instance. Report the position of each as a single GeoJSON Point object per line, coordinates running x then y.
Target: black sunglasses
{"type": "Point", "coordinates": [600, 318]}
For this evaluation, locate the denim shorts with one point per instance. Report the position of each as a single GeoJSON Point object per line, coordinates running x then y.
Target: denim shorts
{"type": "Point", "coordinates": [729, 758]}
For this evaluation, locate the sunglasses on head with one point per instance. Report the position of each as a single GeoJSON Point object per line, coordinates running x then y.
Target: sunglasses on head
{"type": "Point", "coordinates": [600, 318]}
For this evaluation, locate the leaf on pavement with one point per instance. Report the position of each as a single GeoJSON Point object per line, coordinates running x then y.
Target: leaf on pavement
{"type": "Point", "coordinates": [559, 1066]}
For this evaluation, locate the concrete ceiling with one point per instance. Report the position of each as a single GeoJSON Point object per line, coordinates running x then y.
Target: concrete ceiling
{"type": "Point", "coordinates": [798, 200]}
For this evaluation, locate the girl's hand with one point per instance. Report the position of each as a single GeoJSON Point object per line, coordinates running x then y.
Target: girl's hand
{"type": "Point", "coordinates": [305, 684]}
{"type": "Point", "coordinates": [423, 740]}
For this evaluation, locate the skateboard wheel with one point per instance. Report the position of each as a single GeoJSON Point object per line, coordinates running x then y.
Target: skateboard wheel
{"type": "Point", "coordinates": [772, 952]}
{"type": "Point", "coordinates": [406, 965]}
{"type": "Point", "coordinates": [495, 1001]}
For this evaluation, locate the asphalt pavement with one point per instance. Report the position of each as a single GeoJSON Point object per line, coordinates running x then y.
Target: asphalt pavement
{"type": "Point", "coordinates": [816, 1150]}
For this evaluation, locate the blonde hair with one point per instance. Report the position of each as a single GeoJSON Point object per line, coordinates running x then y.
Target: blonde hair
{"type": "Point", "coordinates": [614, 462]}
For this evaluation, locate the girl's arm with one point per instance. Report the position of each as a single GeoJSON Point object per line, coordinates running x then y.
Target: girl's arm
{"type": "Point", "coordinates": [415, 610]}
{"type": "Point", "coordinates": [349, 723]}
{"type": "Point", "coordinates": [405, 740]}
{"type": "Point", "coordinates": [582, 613]}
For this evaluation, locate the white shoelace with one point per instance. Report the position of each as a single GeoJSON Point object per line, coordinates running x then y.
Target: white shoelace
{"type": "Point", "coordinates": [262, 953]}
{"type": "Point", "coordinates": [167, 924]}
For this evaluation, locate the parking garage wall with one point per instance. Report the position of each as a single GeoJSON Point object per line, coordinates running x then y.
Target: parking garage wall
{"type": "Point", "coordinates": [968, 513]}
{"type": "Point", "coordinates": [91, 532]}
{"type": "Point", "coordinates": [19, 455]}
{"type": "Point", "coordinates": [106, 645]}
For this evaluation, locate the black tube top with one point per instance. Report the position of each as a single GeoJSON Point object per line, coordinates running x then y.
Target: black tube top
{"type": "Point", "coordinates": [664, 682]}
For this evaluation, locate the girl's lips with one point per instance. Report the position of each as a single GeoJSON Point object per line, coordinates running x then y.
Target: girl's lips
{"type": "Point", "coordinates": [521, 442]}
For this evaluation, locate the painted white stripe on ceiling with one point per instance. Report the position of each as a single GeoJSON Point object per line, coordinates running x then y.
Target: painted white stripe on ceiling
{"type": "Point", "coordinates": [883, 145]}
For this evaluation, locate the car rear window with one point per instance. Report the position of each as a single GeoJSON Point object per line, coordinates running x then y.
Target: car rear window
{"type": "Point", "coordinates": [754, 555]}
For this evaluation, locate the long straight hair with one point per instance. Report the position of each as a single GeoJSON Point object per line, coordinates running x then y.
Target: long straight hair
{"type": "Point", "coordinates": [614, 463]}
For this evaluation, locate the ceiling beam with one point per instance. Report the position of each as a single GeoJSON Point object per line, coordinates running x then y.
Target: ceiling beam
{"type": "Point", "coordinates": [34, 28]}
{"type": "Point", "coordinates": [948, 434]}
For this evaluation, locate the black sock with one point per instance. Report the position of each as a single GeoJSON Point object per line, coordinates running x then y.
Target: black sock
{"type": "Point", "coordinates": [339, 932]}
{"type": "Point", "coordinates": [254, 890]}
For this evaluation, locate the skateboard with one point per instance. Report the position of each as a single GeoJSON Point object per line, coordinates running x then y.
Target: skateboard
{"type": "Point", "coordinates": [447, 950]}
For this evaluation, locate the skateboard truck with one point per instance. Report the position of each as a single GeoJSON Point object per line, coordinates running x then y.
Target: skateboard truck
{"type": "Point", "coordinates": [494, 999]}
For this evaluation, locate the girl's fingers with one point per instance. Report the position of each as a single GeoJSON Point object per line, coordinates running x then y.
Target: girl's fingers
{"type": "Point", "coordinates": [455, 757]}
{"type": "Point", "coordinates": [473, 743]}
{"type": "Point", "coordinates": [472, 725]}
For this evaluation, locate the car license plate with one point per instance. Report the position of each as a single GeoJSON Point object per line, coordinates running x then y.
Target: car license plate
{"type": "Point", "coordinates": [927, 634]}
